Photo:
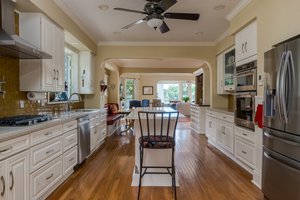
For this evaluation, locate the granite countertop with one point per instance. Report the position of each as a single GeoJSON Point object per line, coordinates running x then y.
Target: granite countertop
{"type": "Point", "coordinates": [11, 132]}
{"type": "Point", "coordinates": [222, 110]}
{"type": "Point", "coordinates": [200, 105]}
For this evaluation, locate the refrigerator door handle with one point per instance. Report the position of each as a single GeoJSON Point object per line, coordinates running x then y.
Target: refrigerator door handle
{"type": "Point", "coordinates": [284, 89]}
{"type": "Point", "coordinates": [292, 84]}
{"type": "Point", "coordinates": [278, 84]}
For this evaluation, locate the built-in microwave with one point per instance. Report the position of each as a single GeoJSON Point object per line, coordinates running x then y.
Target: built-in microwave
{"type": "Point", "coordinates": [246, 77]}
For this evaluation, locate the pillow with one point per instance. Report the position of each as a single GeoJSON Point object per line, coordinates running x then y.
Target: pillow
{"type": "Point", "coordinates": [113, 109]}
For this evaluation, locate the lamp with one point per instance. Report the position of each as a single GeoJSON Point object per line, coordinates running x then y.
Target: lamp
{"type": "Point", "coordinates": [154, 22]}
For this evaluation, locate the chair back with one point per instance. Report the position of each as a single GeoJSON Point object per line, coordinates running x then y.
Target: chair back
{"type": "Point", "coordinates": [145, 102]}
{"type": "Point", "coordinates": [159, 124]}
{"type": "Point", "coordinates": [134, 103]}
{"type": "Point", "coordinates": [156, 103]}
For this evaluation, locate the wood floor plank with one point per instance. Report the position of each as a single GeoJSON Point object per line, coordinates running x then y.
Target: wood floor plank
{"type": "Point", "coordinates": [204, 173]}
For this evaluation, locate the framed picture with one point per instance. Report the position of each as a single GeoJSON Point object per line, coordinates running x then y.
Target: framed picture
{"type": "Point", "coordinates": [147, 90]}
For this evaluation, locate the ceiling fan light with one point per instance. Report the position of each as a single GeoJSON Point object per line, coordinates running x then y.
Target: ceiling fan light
{"type": "Point", "coordinates": [154, 22]}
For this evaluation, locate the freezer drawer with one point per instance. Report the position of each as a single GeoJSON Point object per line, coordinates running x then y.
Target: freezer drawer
{"type": "Point", "coordinates": [280, 177]}
{"type": "Point", "coordinates": [283, 143]}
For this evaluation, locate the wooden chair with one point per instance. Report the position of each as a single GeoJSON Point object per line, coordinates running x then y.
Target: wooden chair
{"type": "Point", "coordinates": [158, 136]}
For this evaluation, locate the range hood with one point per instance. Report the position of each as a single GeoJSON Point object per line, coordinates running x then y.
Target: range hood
{"type": "Point", "coordinates": [11, 44]}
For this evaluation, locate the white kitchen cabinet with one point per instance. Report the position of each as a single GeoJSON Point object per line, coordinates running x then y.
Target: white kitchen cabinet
{"type": "Point", "coordinates": [86, 72]}
{"type": "Point", "coordinates": [220, 74]}
{"type": "Point", "coordinates": [3, 180]}
{"type": "Point", "coordinates": [246, 44]}
{"type": "Point", "coordinates": [42, 75]}
{"type": "Point", "coordinates": [17, 179]}
{"type": "Point", "coordinates": [211, 128]}
{"type": "Point", "coordinates": [224, 135]}
{"type": "Point", "coordinates": [198, 118]}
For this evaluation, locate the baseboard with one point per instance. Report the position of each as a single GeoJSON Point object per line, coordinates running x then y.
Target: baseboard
{"type": "Point", "coordinates": [257, 178]}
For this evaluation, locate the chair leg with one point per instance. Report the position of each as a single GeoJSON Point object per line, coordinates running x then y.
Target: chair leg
{"type": "Point", "coordinates": [141, 170]}
{"type": "Point", "coordinates": [173, 175]}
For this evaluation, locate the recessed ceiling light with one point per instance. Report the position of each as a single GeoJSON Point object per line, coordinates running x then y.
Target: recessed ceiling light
{"type": "Point", "coordinates": [199, 33]}
{"type": "Point", "coordinates": [219, 7]}
{"type": "Point", "coordinates": [103, 7]}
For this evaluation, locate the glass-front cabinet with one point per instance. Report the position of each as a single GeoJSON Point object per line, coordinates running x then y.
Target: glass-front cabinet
{"type": "Point", "coordinates": [229, 69]}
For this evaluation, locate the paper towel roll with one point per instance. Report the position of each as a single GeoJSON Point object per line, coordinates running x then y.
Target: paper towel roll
{"type": "Point", "coordinates": [33, 96]}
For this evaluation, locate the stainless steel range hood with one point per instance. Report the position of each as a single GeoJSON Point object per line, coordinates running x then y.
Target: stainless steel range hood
{"type": "Point", "coordinates": [10, 44]}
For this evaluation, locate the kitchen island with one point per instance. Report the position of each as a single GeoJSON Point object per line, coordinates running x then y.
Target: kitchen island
{"type": "Point", "coordinates": [152, 157]}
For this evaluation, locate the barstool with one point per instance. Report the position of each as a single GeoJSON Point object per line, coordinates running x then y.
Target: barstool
{"type": "Point", "coordinates": [157, 138]}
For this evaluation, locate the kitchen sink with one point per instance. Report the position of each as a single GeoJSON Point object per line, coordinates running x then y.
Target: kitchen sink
{"type": "Point", "coordinates": [85, 110]}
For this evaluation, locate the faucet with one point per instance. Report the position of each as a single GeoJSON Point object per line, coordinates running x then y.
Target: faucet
{"type": "Point", "coordinates": [70, 100]}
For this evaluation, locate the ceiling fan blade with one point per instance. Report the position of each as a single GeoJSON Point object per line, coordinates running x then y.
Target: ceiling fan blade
{"type": "Point", "coordinates": [164, 28]}
{"type": "Point", "coordinates": [184, 16]}
{"type": "Point", "coordinates": [135, 23]}
{"type": "Point", "coordinates": [129, 10]}
{"type": "Point", "coordinates": [166, 4]}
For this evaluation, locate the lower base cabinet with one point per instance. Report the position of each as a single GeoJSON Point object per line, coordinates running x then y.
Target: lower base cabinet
{"type": "Point", "coordinates": [70, 159]}
{"type": "Point", "coordinates": [45, 177]}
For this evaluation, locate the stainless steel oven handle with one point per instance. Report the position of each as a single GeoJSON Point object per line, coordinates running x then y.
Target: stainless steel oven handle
{"type": "Point", "coordinates": [278, 81]}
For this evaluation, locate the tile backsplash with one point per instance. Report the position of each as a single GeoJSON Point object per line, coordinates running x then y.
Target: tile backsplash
{"type": "Point", "coordinates": [9, 105]}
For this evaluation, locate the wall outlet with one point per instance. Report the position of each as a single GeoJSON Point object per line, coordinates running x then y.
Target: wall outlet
{"type": "Point", "coordinates": [21, 104]}
{"type": "Point", "coordinates": [260, 80]}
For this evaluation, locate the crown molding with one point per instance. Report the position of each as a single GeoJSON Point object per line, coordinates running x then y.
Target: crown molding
{"type": "Point", "coordinates": [74, 18]}
{"type": "Point", "coordinates": [155, 43]}
{"type": "Point", "coordinates": [237, 9]}
{"type": "Point", "coordinates": [222, 36]}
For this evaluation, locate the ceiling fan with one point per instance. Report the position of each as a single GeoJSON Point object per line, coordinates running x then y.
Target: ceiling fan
{"type": "Point", "coordinates": [155, 11]}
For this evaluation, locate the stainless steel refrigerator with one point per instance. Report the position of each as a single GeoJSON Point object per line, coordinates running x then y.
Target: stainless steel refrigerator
{"type": "Point", "coordinates": [281, 133]}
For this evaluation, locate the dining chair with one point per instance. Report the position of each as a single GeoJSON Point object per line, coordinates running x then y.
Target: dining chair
{"type": "Point", "coordinates": [145, 102]}
{"type": "Point", "coordinates": [156, 103]}
{"type": "Point", "coordinates": [158, 130]}
{"type": "Point", "coordinates": [134, 103]}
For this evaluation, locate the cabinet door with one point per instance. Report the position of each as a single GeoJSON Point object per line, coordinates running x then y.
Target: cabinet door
{"type": "Point", "coordinates": [220, 135]}
{"type": "Point", "coordinates": [228, 137]}
{"type": "Point", "coordinates": [48, 69]}
{"type": "Point", "coordinates": [3, 181]}
{"type": "Point", "coordinates": [59, 58]}
{"type": "Point", "coordinates": [220, 73]}
{"type": "Point", "coordinates": [18, 176]}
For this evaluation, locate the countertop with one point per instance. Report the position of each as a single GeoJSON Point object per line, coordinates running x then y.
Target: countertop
{"type": "Point", "coordinates": [11, 132]}
{"type": "Point", "coordinates": [222, 110]}
{"type": "Point", "coordinates": [200, 105]}
{"type": "Point", "coordinates": [134, 113]}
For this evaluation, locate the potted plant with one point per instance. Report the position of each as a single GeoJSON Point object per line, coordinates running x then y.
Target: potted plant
{"type": "Point", "coordinates": [185, 99]}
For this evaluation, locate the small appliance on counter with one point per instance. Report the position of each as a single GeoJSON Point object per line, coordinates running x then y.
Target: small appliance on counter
{"type": "Point", "coordinates": [281, 133]}
{"type": "Point", "coordinates": [245, 95]}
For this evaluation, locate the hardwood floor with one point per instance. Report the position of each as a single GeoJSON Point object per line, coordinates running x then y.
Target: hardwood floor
{"type": "Point", "coordinates": [204, 173]}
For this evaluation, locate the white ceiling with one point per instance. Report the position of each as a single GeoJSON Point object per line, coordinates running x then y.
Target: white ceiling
{"type": "Point", "coordinates": [105, 25]}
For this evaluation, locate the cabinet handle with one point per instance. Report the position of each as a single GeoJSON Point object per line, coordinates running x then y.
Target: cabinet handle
{"type": "Point", "coordinates": [243, 47]}
{"type": "Point", "coordinates": [4, 150]}
{"type": "Point", "coordinates": [71, 140]}
{"type": "Point", "coordinates": [12, 180]}
{"type": "Point", "coordinates": [49, 177]}
{"type": "Point", "coordinates": [50, 151]}
{"type": "Point", "coordinates": [49, 133]}
{"type": "Point", "coordinates": [54, 74]}
{"type": "Point", "coordinates": [71, 159]}
{"type": "Point", "coordinates": [57, 75]}
{"type": "Point", "coordinates": [244, 152]}
{"type": "Point", "coordinates": [244, 134]}
{"type": "Point", "coordinates": [246, 46]}
{"type": "Point", "coordinates": [3, 189]}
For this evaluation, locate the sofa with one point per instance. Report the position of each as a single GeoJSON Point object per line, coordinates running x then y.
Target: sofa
{"type": "Point", "coordinates": [113, 118]}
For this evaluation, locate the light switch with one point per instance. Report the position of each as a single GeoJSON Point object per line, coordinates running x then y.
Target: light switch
{"type": "Point", "coordinates": [21, 104]}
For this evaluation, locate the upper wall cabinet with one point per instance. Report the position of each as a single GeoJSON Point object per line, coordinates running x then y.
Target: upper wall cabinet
{"type": "Point", "coordinates": [45, 74]}
{"type": "Point", "coordinates": [86, 72]}
{"type": "Point", "coordinates": [246, 44]}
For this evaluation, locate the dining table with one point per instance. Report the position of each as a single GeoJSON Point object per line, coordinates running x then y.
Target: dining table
{"type": "Point", "coordinates": [152, 157]}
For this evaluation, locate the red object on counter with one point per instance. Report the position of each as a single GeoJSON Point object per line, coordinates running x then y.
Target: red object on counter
{"type": "Point", "coordinates": [259, 116]}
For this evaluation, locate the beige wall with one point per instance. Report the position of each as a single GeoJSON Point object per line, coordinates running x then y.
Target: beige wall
{"type": "Point", "coordinates": [277, 20]}
{"type": "Point", "coordinates": [206, 53]}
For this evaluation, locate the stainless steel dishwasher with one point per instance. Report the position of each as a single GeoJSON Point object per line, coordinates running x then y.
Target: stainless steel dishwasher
{"type": "Point", "coordinates": [84, 140]}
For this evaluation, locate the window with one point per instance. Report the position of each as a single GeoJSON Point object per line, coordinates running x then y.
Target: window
{"type": "Point", "coordinates": [129, 91]}
{"type": "Point", "coordinates": [175, 90]}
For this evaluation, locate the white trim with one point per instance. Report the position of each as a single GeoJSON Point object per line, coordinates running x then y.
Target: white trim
{"type": "Point", "coordinates": [222, 36]}
{"type": "Point", "coordinates": [198, 72]}
{"type": "Point", "coordinates": [154, 43]}
{"type": "Point", "coordinates": [237, 9]}
{"type": "Point", "coordinates": [74, 18]}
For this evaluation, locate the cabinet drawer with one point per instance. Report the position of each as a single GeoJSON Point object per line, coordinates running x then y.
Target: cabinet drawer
{"type": "Point", "coordinates": [13, 146]}
{"type": "Point", "coordinates": [94, 123]}
{"type": "Point", "coordinates": [44, 178]}
{"type": "Point", "coordinates": [45, 134]}
{"type": "Point", "coordinates": [244, 151]}
{"type": "Point", "coordinates": [211, 113]}
{"type": "Point", "coordinates": [228, 118]}
{"type": "Point", "coordinates": [43, 153]}
{"type": "Point", "coordinates": [69, 160]}
{"type": "Point", "coordinates": [69, 126]}
{"type": "Point", "coordinates": [246, 134]}
{"type": "Point", "coordinates": [69, 139]}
